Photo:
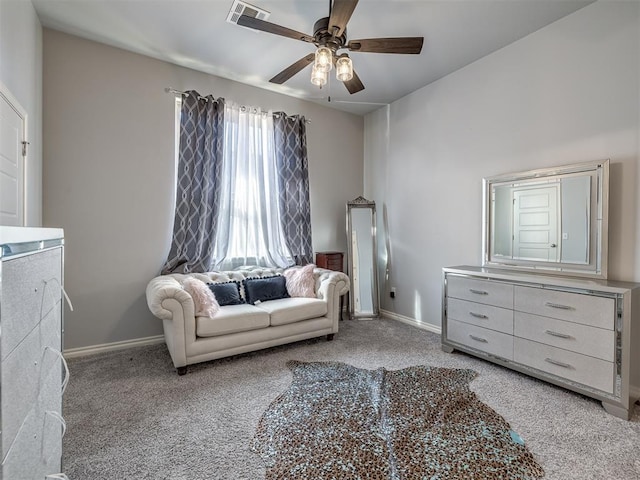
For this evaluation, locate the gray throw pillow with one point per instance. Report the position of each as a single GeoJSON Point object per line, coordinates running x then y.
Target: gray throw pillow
{"type": "Point", "coordinates": [265, 289]}
{"type": "Point", "coordinates": [227, 293]}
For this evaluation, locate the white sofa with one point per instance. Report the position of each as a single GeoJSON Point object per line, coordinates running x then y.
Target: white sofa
{"type": "Point", "coordinates": [242, 328]}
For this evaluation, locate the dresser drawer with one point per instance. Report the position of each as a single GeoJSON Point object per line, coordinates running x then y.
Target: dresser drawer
{"type": "Point", "coordinates": [487, 316]}
{"type": "Point", "coordinates": [37, 449]}
{"type": "Point", "coordinates": [582, 369]}
{"type": "Point", "coordinates": [30, 289]}
{"type": "Point", "coordinates": [591, 341]}
{"type": "Point", "coordinates": [489, 341]}
{"type": "Point", "coordinates": [480, 291]}
{"type": "Point", "coordinates": [24, 372]}
{"type": "Point", "coordinates": [574, 307]}
{"type": "Point", "coordinates": [334, 265]}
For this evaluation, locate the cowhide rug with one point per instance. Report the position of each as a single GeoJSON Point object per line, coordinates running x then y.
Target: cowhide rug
{"type": "Point", "coordinates": [340, 422]}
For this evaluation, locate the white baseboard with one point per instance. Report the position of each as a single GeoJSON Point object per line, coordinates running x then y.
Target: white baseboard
{"type": "Point", "coordinates": [411, 321]}
{"type": "Point", "coordinates": [109, 347]}
{"type": "Point", "coordinates": [139, 342]}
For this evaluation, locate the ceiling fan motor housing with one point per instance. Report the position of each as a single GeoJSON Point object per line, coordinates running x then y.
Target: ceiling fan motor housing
{"type": "Point", "coordinates": [324, 38]}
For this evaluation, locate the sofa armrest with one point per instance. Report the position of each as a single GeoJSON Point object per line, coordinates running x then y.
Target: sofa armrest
{"type": "Point", "coordinates": [330, 282]}
{"type": "Point", "coordinates": [166, 287]}
{"type": "Point", "coordinates": [168, 301]}
{"type": "Point", "coordinates": [330, 285]}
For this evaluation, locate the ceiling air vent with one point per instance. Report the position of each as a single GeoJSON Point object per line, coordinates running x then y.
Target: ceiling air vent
{"type": "Point", "coordinates": [242, 8]}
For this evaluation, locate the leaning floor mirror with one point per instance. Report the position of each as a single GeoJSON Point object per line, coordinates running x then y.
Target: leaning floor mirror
{"type": "Point", "coordinates": [362, 258]}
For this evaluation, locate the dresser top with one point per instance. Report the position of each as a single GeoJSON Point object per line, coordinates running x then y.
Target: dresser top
{"type": "Point", "coordinates": [23, 240]}
{"type": "Point", "coordinates": [11, 235]}
{"type": "Point", "coordinates": [538, 278]}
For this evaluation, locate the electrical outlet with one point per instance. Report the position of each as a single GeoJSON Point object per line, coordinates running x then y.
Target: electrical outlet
{"type": "Point", "coordinates": [392, 292]}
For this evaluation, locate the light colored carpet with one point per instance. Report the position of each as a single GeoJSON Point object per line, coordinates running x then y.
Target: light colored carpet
{"type": "Point", "coordinates": [130, 416]}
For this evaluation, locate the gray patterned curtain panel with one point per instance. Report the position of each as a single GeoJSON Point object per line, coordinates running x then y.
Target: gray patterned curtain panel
{"type": "Point", "coordinates": [293, 178]}
{"type": "Point", "coordinates": [198, 184]}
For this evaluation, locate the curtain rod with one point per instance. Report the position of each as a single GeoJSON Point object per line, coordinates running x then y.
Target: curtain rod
{"type": "Point", "coordinates": [179, 92]}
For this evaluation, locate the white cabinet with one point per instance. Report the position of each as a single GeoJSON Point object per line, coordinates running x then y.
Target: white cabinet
{"type": "Point", "coordinates": [580, 334]}
{"type": "Point", "coordinates": [31, 364]}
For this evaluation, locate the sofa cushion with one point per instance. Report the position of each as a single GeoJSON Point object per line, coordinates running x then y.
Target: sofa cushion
{"type": "Point", "coordinates": [232, 319]}
{"type": "Point", "coordinates": [227, 293]}
{"type": "Point", "coordinates": [264, 289]}
{"type": "Point", "coordinates": [291, 310]}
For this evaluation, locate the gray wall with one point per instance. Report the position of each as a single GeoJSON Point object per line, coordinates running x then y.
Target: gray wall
{"type": "Point", "coordinates": [109, 175]}
{"type": "Point", "coordinates": [567, 93]}
{"type": "Point", "coordinates": [21, 74]}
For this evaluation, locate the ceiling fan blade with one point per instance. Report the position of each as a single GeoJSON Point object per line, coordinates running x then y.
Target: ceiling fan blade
{"type": "Point", "coordinates": [257, 24]}
{"type": "Point", "coordinates": [340, 15]}
{"type": "Point", "coordinates": [411, 45]}
{"type": "Point", "coordinates": [355, 84]}
{"type": "Point", "coordinates": [291, 70]}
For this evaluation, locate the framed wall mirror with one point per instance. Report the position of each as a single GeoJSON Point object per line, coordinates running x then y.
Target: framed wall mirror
{"type": "Point", "coordinates": [362, 258]}
{"type": "Point", "coordinates": [553, 219]}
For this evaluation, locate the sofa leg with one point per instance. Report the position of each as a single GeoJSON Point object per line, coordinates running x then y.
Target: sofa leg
{"type": "Point", "coordinates": [181, 370]}
{"type": "Point", "coordinates": [330, 337]}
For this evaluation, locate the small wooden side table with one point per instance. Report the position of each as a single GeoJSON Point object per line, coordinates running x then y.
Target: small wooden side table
{"type": "Point", "coordinates": [332, 261]}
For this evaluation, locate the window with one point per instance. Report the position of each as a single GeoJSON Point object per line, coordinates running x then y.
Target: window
{"type": "Point", "coordinates": [242, 188]}
{"type": "Point", "coordinates": [248, 227]}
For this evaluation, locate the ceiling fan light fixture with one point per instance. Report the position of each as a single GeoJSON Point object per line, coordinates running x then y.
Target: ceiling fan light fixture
{"type": "Point", "coordinates": [324, 59]}
{"type": "Point", "coordinates": [344, 69]}
{"type": "Point", "coordinates": [329, 37]}
{"type": "Point", "coordinates": [319, 77]}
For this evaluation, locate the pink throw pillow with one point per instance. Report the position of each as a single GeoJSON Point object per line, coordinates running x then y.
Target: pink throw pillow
{"type": "Point", "coordinates": [300, 281]}
{"type": "Point", "coordinates": [204, 301]}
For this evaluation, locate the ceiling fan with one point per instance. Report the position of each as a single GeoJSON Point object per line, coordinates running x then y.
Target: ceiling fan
{"type": "Point", "coordinates": [330, 36]}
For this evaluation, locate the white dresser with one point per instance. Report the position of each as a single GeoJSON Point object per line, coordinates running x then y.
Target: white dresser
{"type": "Point", "coordinates": [580, 334]}
{"type": "Point", "coordinates": [31, 368]}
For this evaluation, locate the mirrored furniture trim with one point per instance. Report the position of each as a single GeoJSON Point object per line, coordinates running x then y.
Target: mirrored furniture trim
{"type": "Point", "coordinates": [580, 334]}
{"type": "Point", "coordinates": [598, 208]}
{"type": "Point", "coordinates": [361, 203]}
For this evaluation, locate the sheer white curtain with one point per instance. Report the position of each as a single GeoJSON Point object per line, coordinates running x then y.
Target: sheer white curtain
{"type": "Point", "coordinates": [249, 228]}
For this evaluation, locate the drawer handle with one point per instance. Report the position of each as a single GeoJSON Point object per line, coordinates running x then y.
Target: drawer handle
{"type": "Point", "coordinates": [64, 292]}
{"type": "Point", "coordinates": [556, 362]}
{"type": "Point", "coordinates": [65, 381]}
{"type": "Point", "coordinates": [59, 418]}
{"type": "Point", "coordinates": [478, 292]}
{"type": "Point", "coordinates": [556, 334]}
{"type": "Point", "coordinates": [559, 305]}
{"type": "Point", "coordinates": [477, 315]}
{"type": "Point", "coordinates": [478, 339]}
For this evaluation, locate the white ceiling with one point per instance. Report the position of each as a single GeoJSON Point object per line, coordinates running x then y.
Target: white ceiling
{"type": "Point", "coordinates": [195, 34]}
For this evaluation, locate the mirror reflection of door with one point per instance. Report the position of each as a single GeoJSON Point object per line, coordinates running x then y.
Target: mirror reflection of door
{"type": "Point", "coordinates": [536, 223]}
{"type": "Point", "coordinates": [581, 195]}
